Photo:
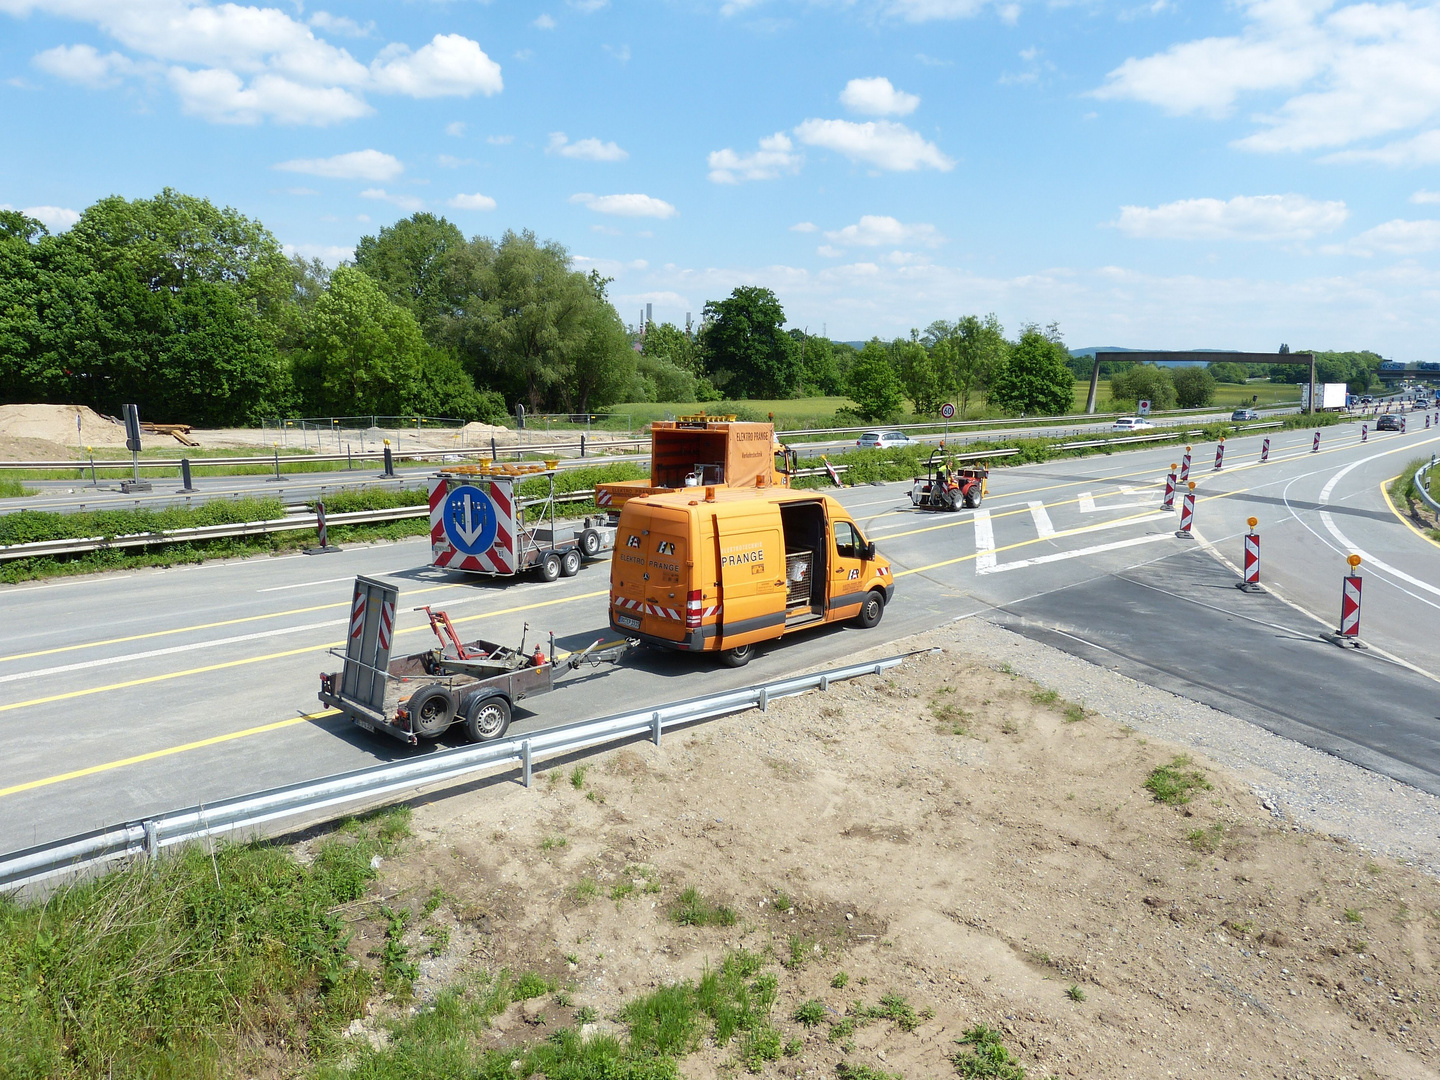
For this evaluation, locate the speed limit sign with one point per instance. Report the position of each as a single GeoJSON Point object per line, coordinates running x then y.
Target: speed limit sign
{"type": "Point", "coordinates": [947, 410]}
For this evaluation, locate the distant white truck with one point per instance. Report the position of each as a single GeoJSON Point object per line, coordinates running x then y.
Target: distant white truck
{"type": "Point", "coordinates": [1330, 395]}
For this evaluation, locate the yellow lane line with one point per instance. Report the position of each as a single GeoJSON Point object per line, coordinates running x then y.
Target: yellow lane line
{"type": "Point", "coordinates": [205, 626]}
{"type": "Point", "coordinates": [91, 770]}
{"type": "Point", "coordinates": [278, 655]}
{"type": "Point", "coordinates": [1385, 494]}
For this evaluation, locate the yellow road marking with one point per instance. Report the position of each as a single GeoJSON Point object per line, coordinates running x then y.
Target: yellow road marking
{"type": "Point", "coordinates": [278, 655]}
{"type": "Point", "coordinates": [205, 626]}
{"type": "Point", "coordinates": [1384, 484]}
{"type": "Point", "coordinates": [91, 770]}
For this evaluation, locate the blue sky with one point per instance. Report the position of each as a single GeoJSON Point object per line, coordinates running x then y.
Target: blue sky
{"type": "Point", "coordinates": [1146, 173]}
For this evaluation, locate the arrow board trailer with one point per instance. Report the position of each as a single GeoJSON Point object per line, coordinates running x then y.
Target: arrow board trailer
{"type": "Point", "coordinates": [473, 684]}
{"type": "Point", "coordinates": [479, 524]}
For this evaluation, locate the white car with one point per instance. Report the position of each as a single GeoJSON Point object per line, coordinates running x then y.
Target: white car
{"type": "Point", "coordinates": [883, 440]}
{"type": "Point", "coordinates": [1132, 423]}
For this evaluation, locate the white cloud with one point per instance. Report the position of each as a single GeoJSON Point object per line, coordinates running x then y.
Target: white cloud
{"type": "Point", "coordinates": [450, 65]}
{"type": "Point", "coordinates": [625, 205]}
{"type": "Point", "coordinates": [775, 156]}
{"type": "Point", "coordinates": [588, 7]}
{"type": "Point", "coordinates": [221, 97]}
{"type": "Point", "coordinates": [829, 252]}
{"type": "Point", "coordinates": [1421, 149]}
{"type": "Point", "coordinates": [500, 140]}
{"type": "Point", "coordinates": [621, 54]}
{"type": "Point", "coordinates": [876, 97]}
{"type": "Point", "coordinates": [1398, 237]}
{"type": "Point", "coordinates": [1245, 217]}
{"type": "Point", "coordinates": [356, 165]}
{"type": "Point", "coordinates": [449, 161]}
{"type": "Point", "coordinates": [301, 191]}
{"type": "Point", "coordinates": [83, 64]}
{"type": "Point", "coordinates": [1352, 73]}
{"type": "Point", "coordinates": [881, 143]}
{"type": "Point", "coordinates": [1424, 197]}
{"type": "Point", "coordinates": [455, 129]}
{"type": "Point", "coordinates": [544, 22]}
{"type": "Point", "coordinates": [472, 202]}
{"type": "Point", "coordinates": [55, 218]}
{"type": "Point", "coordinates": [874, 230]}
{"type": "Point", "coordinates": [805, 227]}
{"type": "Point", "coordinates": [330, 254]}
{"type": "Point", "coordinates": [930, 10]}
{"type": "Point", "coordinates": [339, 24]}
{"type": "Point", "coordinates": [405, 202]}
{"type": "Point", "coordinates": [585, 149]}
{"type": "Point", "coordinates": [232, 63]}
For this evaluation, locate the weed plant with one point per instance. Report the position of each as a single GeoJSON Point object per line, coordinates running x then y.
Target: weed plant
{"type": "Point", "coordinates": [692, 909]}
{"type": "Point", "coordinates": [983, 1054]}
{"type": "Point", "coordinates": [1175, 783]}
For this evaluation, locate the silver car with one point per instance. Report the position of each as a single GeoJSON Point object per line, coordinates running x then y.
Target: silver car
{"type": "Point", "coordinates": [883, 440]}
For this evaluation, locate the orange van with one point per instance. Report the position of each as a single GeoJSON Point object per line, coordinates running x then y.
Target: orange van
{"type": "Point", "coordinates": [720, 569]}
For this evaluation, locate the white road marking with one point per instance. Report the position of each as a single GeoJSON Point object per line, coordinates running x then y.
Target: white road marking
{"type": "Point", "coordinates": [308, 584]}
{"type": "Point", "coordinates": [1061, 556]}
{"type": "Point", "coordinates": [1043, 527]}
{"type": "Point", "coordinates": [1086, 502]}
{"type": "Point", "coordinates": [1371, 560]}
{"type": "Point", "coordinates": [129, 657]}
{"type": "Point", "coordinates": [984, 543]}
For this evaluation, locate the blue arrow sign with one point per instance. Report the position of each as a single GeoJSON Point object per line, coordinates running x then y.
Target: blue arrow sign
{"type": "Point", "coordinates": [470, 520]}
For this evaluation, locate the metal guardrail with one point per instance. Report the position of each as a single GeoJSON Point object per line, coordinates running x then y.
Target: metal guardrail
{"type": "Point", "coordinates": [1157, 437]}
{"type": "Point", "coordinates": [331, 796]}
{"type": "Point", "coordinates": [1421, 480]}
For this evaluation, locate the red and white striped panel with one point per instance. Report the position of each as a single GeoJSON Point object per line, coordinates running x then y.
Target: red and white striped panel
{"type": "Point", "coordinates": [387, 624]}
{"type": "Point", "coordinates": [440, 550]}
{"type": "Point", "coordinates": [357, 612]}
{"type": "Point", "coordinates": [654, 609]}
{"type": "Point", "coordinates": [602, 497]}
{"type": "Point", "coordinates": [501, 554]}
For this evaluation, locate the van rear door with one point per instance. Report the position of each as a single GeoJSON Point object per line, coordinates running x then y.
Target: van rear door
{"type": "Point", "coordinates": [651, 572]}
{"type": "Point", "coordinates": [751, 558]}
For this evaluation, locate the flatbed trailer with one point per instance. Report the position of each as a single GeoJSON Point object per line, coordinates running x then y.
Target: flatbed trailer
{"type": "Point", "coordinates": [422, 695]}
{"type": "Point", "coordinates": [477, 524]}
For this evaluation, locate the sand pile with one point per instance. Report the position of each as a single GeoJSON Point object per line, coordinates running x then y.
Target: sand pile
{"type": "Point", "coordinates": [56, 424]}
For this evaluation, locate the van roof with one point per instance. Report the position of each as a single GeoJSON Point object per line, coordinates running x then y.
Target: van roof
{"type": "Point", "coordinates": [684, 497]}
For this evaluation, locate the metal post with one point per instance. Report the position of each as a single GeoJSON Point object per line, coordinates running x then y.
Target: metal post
{"type": "Point", "coordinates": [582, 444]}
{"type": "Point", "coordinates": [655, 726]}
{"type": "Point", "coordinates": [494, 456]}
{"type": "Point", "coordinates": [185, 484]}
{"type": "Point", "coordinates": [93, 481]}
{"type": "Point", "coordinates": [1094, 385]}
{"type": "Point", "coordinates": [525, 760]}
{"type": "Point", "coordinates": [152, 839]}
{"type": "Point", "coordinates": [276, 477]}
{"type": "Point", "coordinates": [389, 460]}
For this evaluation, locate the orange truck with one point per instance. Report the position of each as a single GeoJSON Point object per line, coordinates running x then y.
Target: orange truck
{"type": "Point", "coordinates": [701, 451]}
{"type": "Point", "coordinates": [718, 570]}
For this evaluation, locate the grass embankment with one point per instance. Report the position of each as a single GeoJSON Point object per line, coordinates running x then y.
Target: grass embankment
{"type": "Point", "coordinates": [1406, 497]}
{"type": "Point", "coordinates": [28, 526]}
{"type": "Point", "coordinates": [11, 488]}
{"type": "Point", "coordinates": [240, 961]}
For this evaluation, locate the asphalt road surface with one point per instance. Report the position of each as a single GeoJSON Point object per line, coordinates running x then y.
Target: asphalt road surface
{"type": "Point", "coordinates": [127, 694]}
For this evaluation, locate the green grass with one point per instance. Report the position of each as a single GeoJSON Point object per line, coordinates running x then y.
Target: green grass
{"type": "Point", "coordinates": [839, 980]}
{"type": "Point", "coordinates": [1074, 993]}
{"type": "Point", "coordinates": [11, 488]}
{"type": "Point", "coordinates": [982, 1054]}
{"type": "Point", "coordinates": [177, 967]}
{"type": "Point", "coordinates": [809, 1013]}
{"type": "Point", "coordinates": [577, 777]}
{"type": "Point", "coordinates": [846, 1071]}
{"type": "Point", "coordinates": [1353, 915]}
{"type": "Point", "coordinates": [1175, 783]}
{"type": "Point", "coordinates": [692, 909]}
{"type": "Point", "coordinates": [1206, 840]}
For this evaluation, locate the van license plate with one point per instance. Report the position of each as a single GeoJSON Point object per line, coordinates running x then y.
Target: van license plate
{"type": "Point", "coordinates": [626, 620]}
{"type": "Point", "coordinates": [365, 724]}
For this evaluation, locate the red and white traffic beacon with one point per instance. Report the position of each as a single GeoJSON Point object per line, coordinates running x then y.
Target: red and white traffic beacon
{"type": "Point", "coordinates": [1348, 636]}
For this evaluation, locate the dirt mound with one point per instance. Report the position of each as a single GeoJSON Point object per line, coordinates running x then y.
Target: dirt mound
{"type": "Point", "coordinates": [56, 424]}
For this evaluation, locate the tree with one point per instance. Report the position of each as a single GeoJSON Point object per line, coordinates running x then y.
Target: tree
{"type": "Point", "coordinates": [1143, 382]}
{"type": "Point", "coordinates": [747, 353]}
{"type": "Point", "coordinates": [668, 342]}
{"type": "Point", "coordinates": [1194, 387]}
{"type": "Point", "coordinates": [364, 351]}
{"type": "Point", "coordinates": [972, 349]}
{"type": "Point", "coordinates": [819, 365]}
{"type": "Point", "coordinates": [1229, 373]}
{"type": "Point", "coordinates": [1034, 377]}
{"type": "Point", "coordinates": [425, 265]}
{"type": "Point", "coordinates": [925, 377]}
{"type": "Point", "coordinates": [874, 384]}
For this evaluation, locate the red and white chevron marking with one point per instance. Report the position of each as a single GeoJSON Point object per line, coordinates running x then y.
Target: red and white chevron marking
{"type": "Point", "coordinates": [602, 497]}
{"type": "Point", "coordinates": [387, 624]}
{"type": "Point", "coordinates": [357, 613]}
{"type": "Point", "coordinates": [1350, 607]}
{"type": "Point", "coordinates": [645, 608]}
{"type": "Point", "coordinates": [499, 558]}
{"type": "Point", "coordinates": [1252, 558]}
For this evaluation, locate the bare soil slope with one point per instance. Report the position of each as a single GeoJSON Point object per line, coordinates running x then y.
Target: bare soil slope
{"type": "Point", "coordinates": [946, 833]}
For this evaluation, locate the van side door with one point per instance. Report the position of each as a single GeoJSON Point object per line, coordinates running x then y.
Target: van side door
{"type": "Point", "coordinates": [847, 574]}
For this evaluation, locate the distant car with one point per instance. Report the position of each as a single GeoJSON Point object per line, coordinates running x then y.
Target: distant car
{"type": "Point", "coordinates": [1244, 414]}
{"type": "Point", "coordinates": [883, 440]}
{"type": "Point", "coordinates": [1388, 422]}
{"type": "Point", "coordinates": [1132, 423]}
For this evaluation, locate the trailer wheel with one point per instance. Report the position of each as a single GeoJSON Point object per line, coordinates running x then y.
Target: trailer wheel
{"type": "Point", "coordinates": [550, 566]}
{"type": "Point", "coordinates": [739, 656]}
{"type": "Point", "coordinates": [570, 563]}
{"type": "Point", "coordinates": [432, 708]}
{"type": "Point", "coordinates": [871, 610]}
{"type": "Point", "coordinates": [489, 719]}
{"type": "Point", "coordinates": [590, 543]}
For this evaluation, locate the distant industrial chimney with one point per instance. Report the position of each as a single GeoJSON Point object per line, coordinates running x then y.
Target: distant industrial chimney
{"type": "Point", "coordinates": [687, 322]}
{"type": "Point", "coordinates": [648, 318]}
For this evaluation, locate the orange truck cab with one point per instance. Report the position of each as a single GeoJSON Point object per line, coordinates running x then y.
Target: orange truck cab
{"type": "Point", "coordinates": [718, 570]}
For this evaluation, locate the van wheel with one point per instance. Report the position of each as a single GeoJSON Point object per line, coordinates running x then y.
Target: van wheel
{"type": "Point", "coordinates": [590, 543]}
{"type": "Point", "coordinates": [738, 656]}
{"type": "Point", "coordinates": [431, 710]}
{"type": "Point", "coordinates": [570, 563]}
{"type": "Point", "coordinates": [871, 610]}
{"type": "Point", "coordinates": [489, 719]}
{"type": "Point", "coordinates": [550, 567]}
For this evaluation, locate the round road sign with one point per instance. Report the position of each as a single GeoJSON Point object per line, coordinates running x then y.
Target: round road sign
{"type": "Point", "coordinates": [470, 520]}
{"type": "Point", "coordinates": [947, 410]}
